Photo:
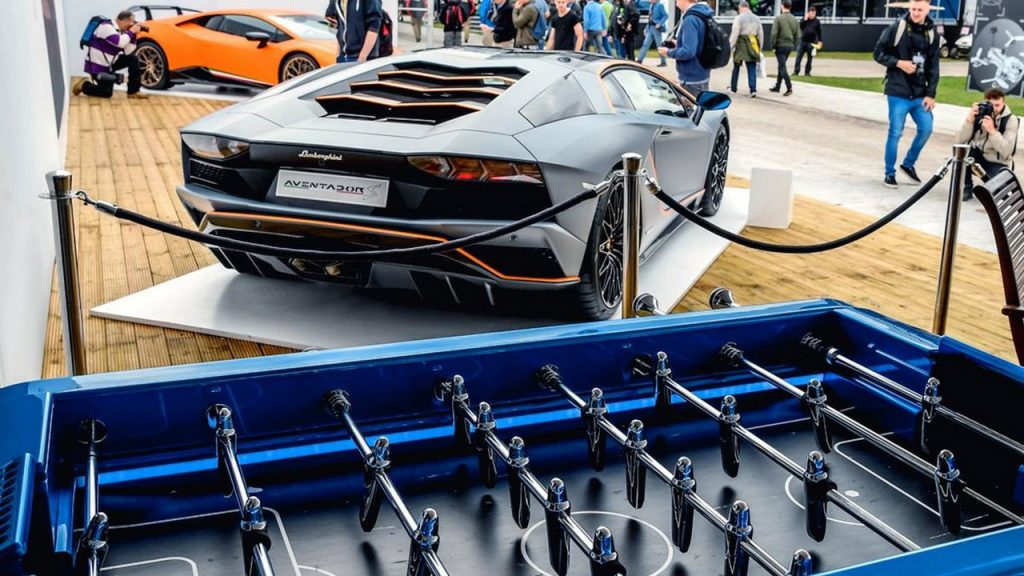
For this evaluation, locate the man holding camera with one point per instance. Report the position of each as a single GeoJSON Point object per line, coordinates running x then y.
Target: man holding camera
{"type": "Point", "coordinates": [909, 49]}
{"type": "Point", "coordinates": [112, 48]}
{"type": "Point", "coordinates": [991, 130]}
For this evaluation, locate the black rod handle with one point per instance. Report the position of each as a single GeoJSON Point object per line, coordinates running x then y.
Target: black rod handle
{"type": "Point", "coordinates": [683, 484]}
{"type": "Point", "coordinates": [485, 425]}
{"type": "Point", "coordinates": [948, 489]}
{"type": "Point", "coordinates": [597, 439]}
{"type": "Point", "coordinates": [814, 400]}
{"type": "Point", "coordinates": [519, 497]}
{"type": "Point", "coordinates": [377, 461]}
{"type": "Point", "coordinates": [604, 560]}
{"type": "Point", "coordinates": [737, 530]}
{"type": "Point", "coordinates": [662, 371]}
{"type": "Point", "coordinates": [816, 489]}
{"type": "Point", "coordinates": [426, 538]}
{"type": "Point", "coordinates": [728, 441]}
{"type": "Point", "coordinates": [636, 470]}
{"type": "Point", "coordinates": [459, 398]}
{"type": "Point", "coordinates": [558, 539]}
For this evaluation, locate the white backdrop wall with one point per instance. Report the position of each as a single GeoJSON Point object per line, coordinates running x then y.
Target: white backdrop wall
{"type": "Point", "coordinates": [78, 12]}
{"type": "Point", "coordinates": [33, 102]}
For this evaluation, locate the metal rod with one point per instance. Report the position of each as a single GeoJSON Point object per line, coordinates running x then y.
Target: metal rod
{"type": "Point", "coordinates": [876, 439]}
{"type": "Point", "coordinates": [92, 544]}
{"type": "Point", "coordinates": [867, 518]}
{"type": "Point", "coordinates": [960, 152]}
{"type": "Point", "coordinates": [835, 358]}
{"type": "Point", "coordinates": [630, 232]}
{"type": "Point", "coordinates": [337, 404]}
{"type": "Point", "coordinates": [721, 298]}
{"type": "Point", "coordinates": [253, 525]}
{"type": "Point", "coordinates": [762, 557]}
{"type": "Point", "coordinates": [59, 183]}
{"type": "Point", "coordinates": [568, 523]}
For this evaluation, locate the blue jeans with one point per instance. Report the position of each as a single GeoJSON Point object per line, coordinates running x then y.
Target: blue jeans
{"type": "Point", "coordinates": [751, 76]}
{"type": "Point", "coordinates": [619, 48]}
{"type": "Point", "coordinates": [342, 58]}
{"type": "Point", "coordinates": [898, 110]}
{"type": "Point", "coordinates": [652, 38]}
{"type": "Point", "coordinates": [606, 45]}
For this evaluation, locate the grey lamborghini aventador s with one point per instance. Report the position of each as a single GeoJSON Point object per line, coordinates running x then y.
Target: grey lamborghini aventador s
{"type": "Point", "coordinates": [439, 144]}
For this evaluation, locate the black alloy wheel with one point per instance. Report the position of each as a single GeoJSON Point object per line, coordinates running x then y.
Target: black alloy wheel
{"type": "Point", "coordinates": [714, 184]}
{"type": "Point", "coordinates": [608, 252]}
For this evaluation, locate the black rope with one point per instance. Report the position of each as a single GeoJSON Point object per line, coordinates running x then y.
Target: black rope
{"type": "Point", "coordinates": [806, 248]}
{"type": "Point", "coordinates": [350, 256]}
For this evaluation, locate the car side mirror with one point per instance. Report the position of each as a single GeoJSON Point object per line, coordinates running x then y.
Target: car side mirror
{"type": "Point", "coordinates": [261, 37]}
{"type": "Point", "coordinates": [713, 100]}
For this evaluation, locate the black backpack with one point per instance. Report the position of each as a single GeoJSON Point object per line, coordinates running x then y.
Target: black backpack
{"type": "Point", "coordinates": [715, 52]}
{"type": "Point", "coordinates": [90, 30]}
{"type": "Point", "coordinates": [385, 37]}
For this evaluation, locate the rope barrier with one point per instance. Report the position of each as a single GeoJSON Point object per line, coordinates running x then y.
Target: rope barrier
{"type": "Point", "coordinates": [692, 216]}
{"type": "Point", "coordinates": [588, 193]}
{"type": "Point", "coordinates": [116, 211]}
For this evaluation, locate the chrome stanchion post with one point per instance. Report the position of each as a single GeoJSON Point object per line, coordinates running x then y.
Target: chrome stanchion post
{"type": "Point", "coordinates": [960, 152]}
{"type": "Point", "coordinates": [630, 232]}
{"type": "Point", "coordinates": [59, 183]}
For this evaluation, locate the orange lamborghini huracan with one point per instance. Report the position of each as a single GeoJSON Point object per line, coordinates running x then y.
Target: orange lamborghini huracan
{"type": "Point", "coordinates": [254, 48]}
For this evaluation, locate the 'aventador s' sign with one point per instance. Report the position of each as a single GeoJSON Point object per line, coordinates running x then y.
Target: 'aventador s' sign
{"type": "Point", "coordinates": [332, 188]}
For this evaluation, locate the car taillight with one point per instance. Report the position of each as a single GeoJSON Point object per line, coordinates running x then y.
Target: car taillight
{"type": "Point", "coordinates": [214, 147]}
{"type": "Point", "coordinates": [478, 169]}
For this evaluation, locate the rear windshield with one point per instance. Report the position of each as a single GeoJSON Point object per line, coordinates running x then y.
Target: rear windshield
{"type": "Point", "coordinates": [307, 26]}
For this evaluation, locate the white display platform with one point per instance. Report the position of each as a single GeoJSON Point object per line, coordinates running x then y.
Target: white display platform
{"type": "Point", "coordinates": [301, 314]}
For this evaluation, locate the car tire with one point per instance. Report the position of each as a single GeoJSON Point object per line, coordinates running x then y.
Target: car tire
{"type": "Point", "coordinates": [153, 64]}
{"type": "Point", "coordinates": [599, 291]}
{"type": "Point", "coordinates": [296, 65]}
{"type": "Point", "coordinates": [714, 182]}
{"type": "Point", "coordinates": [944, 52]}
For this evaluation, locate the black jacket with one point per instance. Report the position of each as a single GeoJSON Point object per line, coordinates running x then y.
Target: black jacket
{"type": "Point", "coordinates": [363, 16]}
{"type": "Point", "coordinates": [810, 31]}
{"type": "Point", "coordinates": [920, 40]}
{"type": "Point", "coordinates": [504, 30]}
{"type": "Point", "coordinates": [626, 20]}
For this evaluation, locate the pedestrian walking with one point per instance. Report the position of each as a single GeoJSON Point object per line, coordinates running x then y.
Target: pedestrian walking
{"type": "Point", "coordinates": [486, 22]}
{"type": "Point", "coordinates": [452, 15]}
{"type": "Point", "coordinates": [909, 50]}
{"type": "Point", "coordinates": [608, 8]}
{"type": "Point", "coordinates": [524, 18]}
{"type": "Point", "coordinates": [626, 26]}
{"type": "Point", "coordinates": [415, 9]}
{"type": "Point", "coordinates": [504, 29]}
{"type": "Point", "coordinates": [810, 40]}
{"type": "Point", "coordinates": [469, 14]}
{"type": "Point", "coordinates": [746, 39]}
{"type": "Point", "coordinates": [540, 29]}
{"type": "Point", "coordinates": [785, 35]}
{"type": "Point", "coordinates": [357, 25]}
{"type": "Point", "coordinates": [594, 26]}
{"type": "Point", "coordinates": [566, 29]}
{"type": "Point", "coordinates": [656, 23]}
{"type": "Point", "coordinates": [687, 45]}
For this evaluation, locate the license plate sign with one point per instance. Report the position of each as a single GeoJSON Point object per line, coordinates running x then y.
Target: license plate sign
{"type": "Point", "coordinates": [332, 188]}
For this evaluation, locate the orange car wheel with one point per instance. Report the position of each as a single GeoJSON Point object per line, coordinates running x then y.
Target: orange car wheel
{"type": "Point", "coordinates": [297, 65]}
{"type": "Point", "coordinates": [153, 63]}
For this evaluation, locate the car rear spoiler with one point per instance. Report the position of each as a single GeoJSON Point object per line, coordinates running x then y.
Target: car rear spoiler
{"type": "Point", "coordinates": [148, 9]}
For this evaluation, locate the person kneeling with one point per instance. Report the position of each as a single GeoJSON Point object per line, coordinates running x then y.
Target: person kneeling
{"type": "Point", "coordinates": [991, 130]}
{"type": "Point", "coordinates": [112, 48]}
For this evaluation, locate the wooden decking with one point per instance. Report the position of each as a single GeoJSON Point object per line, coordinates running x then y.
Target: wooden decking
{"type": "Point", "coordinates": [128, 152]}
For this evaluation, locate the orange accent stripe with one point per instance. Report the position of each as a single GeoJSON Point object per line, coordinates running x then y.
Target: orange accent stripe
{"type": "Point", "coordinates": [396, 104]}
{"type": "Point", "coordinates": [389, 232]}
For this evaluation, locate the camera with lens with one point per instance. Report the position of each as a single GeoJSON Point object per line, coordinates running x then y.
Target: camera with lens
{"type": "Point", "coordinates": [143, 28]}
{"type": "Point", "coordinates": [110, 77]}
{"type": "Point", "coordinates": [985, 109]}
{"type": "Point", "coordinates": [669, 43]}
{"type": "Point", "coordinates": [918, 61]}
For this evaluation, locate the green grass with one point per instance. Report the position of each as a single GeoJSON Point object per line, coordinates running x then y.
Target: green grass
{"type": "Point", "coordinates": [864, 56]}
{"type": "Point", "coordinates": [951, 89]}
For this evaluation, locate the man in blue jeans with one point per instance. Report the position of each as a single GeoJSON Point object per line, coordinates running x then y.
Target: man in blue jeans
{"type": "Point", "coordinates": [655, 28]}
{"type": "Point", "coordinates": [909, 49]}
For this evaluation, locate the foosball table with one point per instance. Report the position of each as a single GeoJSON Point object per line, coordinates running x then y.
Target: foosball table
{"type": "Point", "coordinates": [854, 444]}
